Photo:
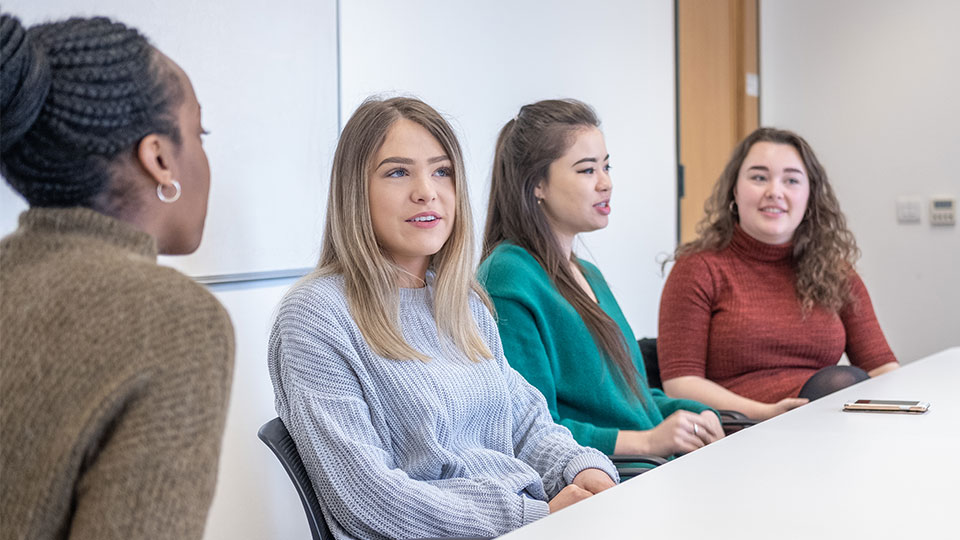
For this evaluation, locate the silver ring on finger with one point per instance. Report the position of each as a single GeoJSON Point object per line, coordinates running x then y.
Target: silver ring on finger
{"type": "Point", "coordinates": [696, 429]}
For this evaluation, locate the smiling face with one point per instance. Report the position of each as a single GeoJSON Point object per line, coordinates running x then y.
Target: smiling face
{"type": "Point", "coordinates": [412, 196]}
{"type": "Point", "coordinates": [772, 192]}
{"type": "Point", "coordinates": [576, 193]}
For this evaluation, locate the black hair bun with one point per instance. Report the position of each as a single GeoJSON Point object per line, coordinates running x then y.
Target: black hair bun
{"type": "Point", "coordinates": [24, 81]}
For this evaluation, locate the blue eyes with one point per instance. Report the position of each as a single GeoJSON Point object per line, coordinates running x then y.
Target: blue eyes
{"type": "Point", "coordinates": [401, 172]}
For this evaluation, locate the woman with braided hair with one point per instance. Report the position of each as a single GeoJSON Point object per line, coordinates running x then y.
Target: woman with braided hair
{"type": "Point", "coordinates": [116, 371]}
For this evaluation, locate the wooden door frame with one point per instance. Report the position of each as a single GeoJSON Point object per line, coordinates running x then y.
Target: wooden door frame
{"type": "Point", "coordinates": [680, 185]}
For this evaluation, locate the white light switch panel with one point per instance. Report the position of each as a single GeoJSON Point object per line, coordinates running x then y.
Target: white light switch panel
{"type": "Point", "coordinates": [909, 209]}
{"type": "Point", "coordinates": [943, 211]}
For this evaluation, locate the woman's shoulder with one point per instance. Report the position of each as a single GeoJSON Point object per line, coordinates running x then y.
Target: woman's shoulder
{"type": "Point", "coordinates": [698, 263]}
{"type": "Point", "coordinates": [176, 293]}
{"type": "Point", "coordinates": [186, 328]}
{"type": "Point", "coordinates": [315, 297]}
{"type": "Point", "coordinates": [317, 288]}
{"type": "Point", "coordinates": [510, 267]}
{"type": "Point", "coordinates": [509, 257]}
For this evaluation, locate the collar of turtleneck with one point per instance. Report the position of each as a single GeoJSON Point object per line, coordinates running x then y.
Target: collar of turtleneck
{"type": "Point", "coordinates": [747, 246]}
{"type": "Point", "coordinates": [89, 223]}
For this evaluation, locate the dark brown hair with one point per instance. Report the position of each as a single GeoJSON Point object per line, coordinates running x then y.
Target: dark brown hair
{"type": "Point", "coordinates": [539, 135]}
{"type": "Point", "coordinates": [824, 250]}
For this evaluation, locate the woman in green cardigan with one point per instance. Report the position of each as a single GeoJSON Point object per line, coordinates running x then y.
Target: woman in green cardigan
{"type": "Point", "coordinates": [560, 325]}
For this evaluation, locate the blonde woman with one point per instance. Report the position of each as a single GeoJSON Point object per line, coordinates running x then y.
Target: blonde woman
{"type": "Point", "coordinates": [386, 362]}
{"type": "Point", "coordinates": [758, 310]}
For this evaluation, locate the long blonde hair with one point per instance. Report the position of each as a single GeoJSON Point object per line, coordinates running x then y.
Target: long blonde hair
{"type": "Point", "coordinates": [350, 247]}
{"type": "Point", "coordinates": [824, 249]}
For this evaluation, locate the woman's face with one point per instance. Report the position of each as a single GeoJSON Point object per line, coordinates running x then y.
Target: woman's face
{"type": "Point", "coordinates": [771, 193]}
{"type": "Point", "coordinates": [191, 168]}
{"type": "Point", "coordinates": [576, 194]}
{"type": "Point", "coordinates": [412, 196]}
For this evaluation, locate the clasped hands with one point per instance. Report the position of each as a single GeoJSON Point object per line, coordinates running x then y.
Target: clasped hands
{"type": "Point", "coordinates": [586, 484]}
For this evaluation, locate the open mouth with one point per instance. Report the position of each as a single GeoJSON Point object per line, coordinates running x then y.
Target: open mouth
{"type": "Point", "coordinates": [424, 220]}
{"type": "Point", "coordinates": [603, 207]}
{"type": "Point", "coordinates": [773, 210]}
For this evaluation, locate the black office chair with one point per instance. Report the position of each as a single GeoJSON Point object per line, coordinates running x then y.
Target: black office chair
{"type": "Point", "coordinates": [275, 435]}
{"type": "Point", "coordinates": [629, 465]}
{"type": "Point", "coordinates": [732, 421]}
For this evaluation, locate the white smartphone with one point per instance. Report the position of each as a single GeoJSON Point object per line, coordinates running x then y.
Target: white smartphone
{"type": "Point", "coordinates": [886, 405]}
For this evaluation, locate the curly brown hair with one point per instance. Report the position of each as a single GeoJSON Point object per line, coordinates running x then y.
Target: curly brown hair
{"type": "Point", "coordinates": [824, 249]}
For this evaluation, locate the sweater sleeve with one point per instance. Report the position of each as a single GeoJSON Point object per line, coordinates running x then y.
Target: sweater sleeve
{"type": "Point", "coordinates": [669, 405]}
{"type": "Point", "coordinates": [538, 441]}
{"type": "Point", "coordinates": [866, 346]}
{"type": "Point", "coordinates": [350, 462]}
{"type": "Point", "coordinates": [685, 311]}
{"type": "Point", "coordinates": [525, 350]}
{"type": "Point", "coordinates": [153, 477]}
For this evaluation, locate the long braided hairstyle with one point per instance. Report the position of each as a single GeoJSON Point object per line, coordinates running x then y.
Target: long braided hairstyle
{"type": "Point", "coordinates": [74, 96]}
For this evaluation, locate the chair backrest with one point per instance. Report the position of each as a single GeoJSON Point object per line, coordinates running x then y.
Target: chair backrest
{"type": "Point", "coordinates": [732, 421]}
{"type": "Point", "coordinates": [275, 435]}
{"type": "Point", "coordinates": [648, 349]}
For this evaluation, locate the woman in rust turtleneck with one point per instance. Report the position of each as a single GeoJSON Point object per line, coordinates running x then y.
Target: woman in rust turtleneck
{"type": "Point", "coordinates": [758, 310]}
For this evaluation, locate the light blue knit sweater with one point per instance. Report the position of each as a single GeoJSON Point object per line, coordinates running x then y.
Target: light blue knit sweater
{"type": "Point", "coordinates": [407, 449]}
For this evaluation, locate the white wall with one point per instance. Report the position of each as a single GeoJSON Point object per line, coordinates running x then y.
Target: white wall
{"type": "Point", "coordinates": [479, 62]}
{"type": "Point", "coordinates": [254, 498]}
{"type": "Point", "coordinates": [874, 86]}
{"type": "Point", "coordinates": [267, 82]}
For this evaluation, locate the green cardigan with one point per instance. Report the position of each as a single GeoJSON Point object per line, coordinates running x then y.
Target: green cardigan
{"type": "Point", "coordinates": [546, 340]}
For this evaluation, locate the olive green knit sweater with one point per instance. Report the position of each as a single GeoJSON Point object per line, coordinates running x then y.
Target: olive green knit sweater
{"type": "Point", "coordinates": [114, 380]}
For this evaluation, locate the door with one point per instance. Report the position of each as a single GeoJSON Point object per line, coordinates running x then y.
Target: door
{"type": "Point", "coordinates": [718, 95]}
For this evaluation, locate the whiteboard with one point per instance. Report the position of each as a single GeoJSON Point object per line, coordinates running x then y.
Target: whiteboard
{"type": "Point", "coordinates": [479, 62]}
{"type": "Point", "coordinates": [266, 76]}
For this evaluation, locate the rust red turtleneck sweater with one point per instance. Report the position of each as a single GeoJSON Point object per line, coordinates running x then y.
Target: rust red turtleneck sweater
{"type": "Point", "coordinates": [732, 316]}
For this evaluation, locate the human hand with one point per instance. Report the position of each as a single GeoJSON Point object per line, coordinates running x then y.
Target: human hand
{"type": "Point", "coordinates": [683, 432]}
{"type": "Point", "coordinates": [593, 480]}
{"type": "Point", "coordinates": [774, 409]}
{"type": "Point", "coordinates": [569, 495]}
{"type": "Point", "coordinates": [711, 429]}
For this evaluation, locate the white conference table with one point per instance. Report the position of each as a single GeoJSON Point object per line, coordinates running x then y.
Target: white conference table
{"type": "Point", "coordinates": [814, 472]}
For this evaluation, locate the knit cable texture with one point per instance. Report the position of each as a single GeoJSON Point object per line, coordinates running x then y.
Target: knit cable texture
{"type": "Point", "coordinates": [407, 449]}
{"type": "Point", "coordinates": [115, 379]}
